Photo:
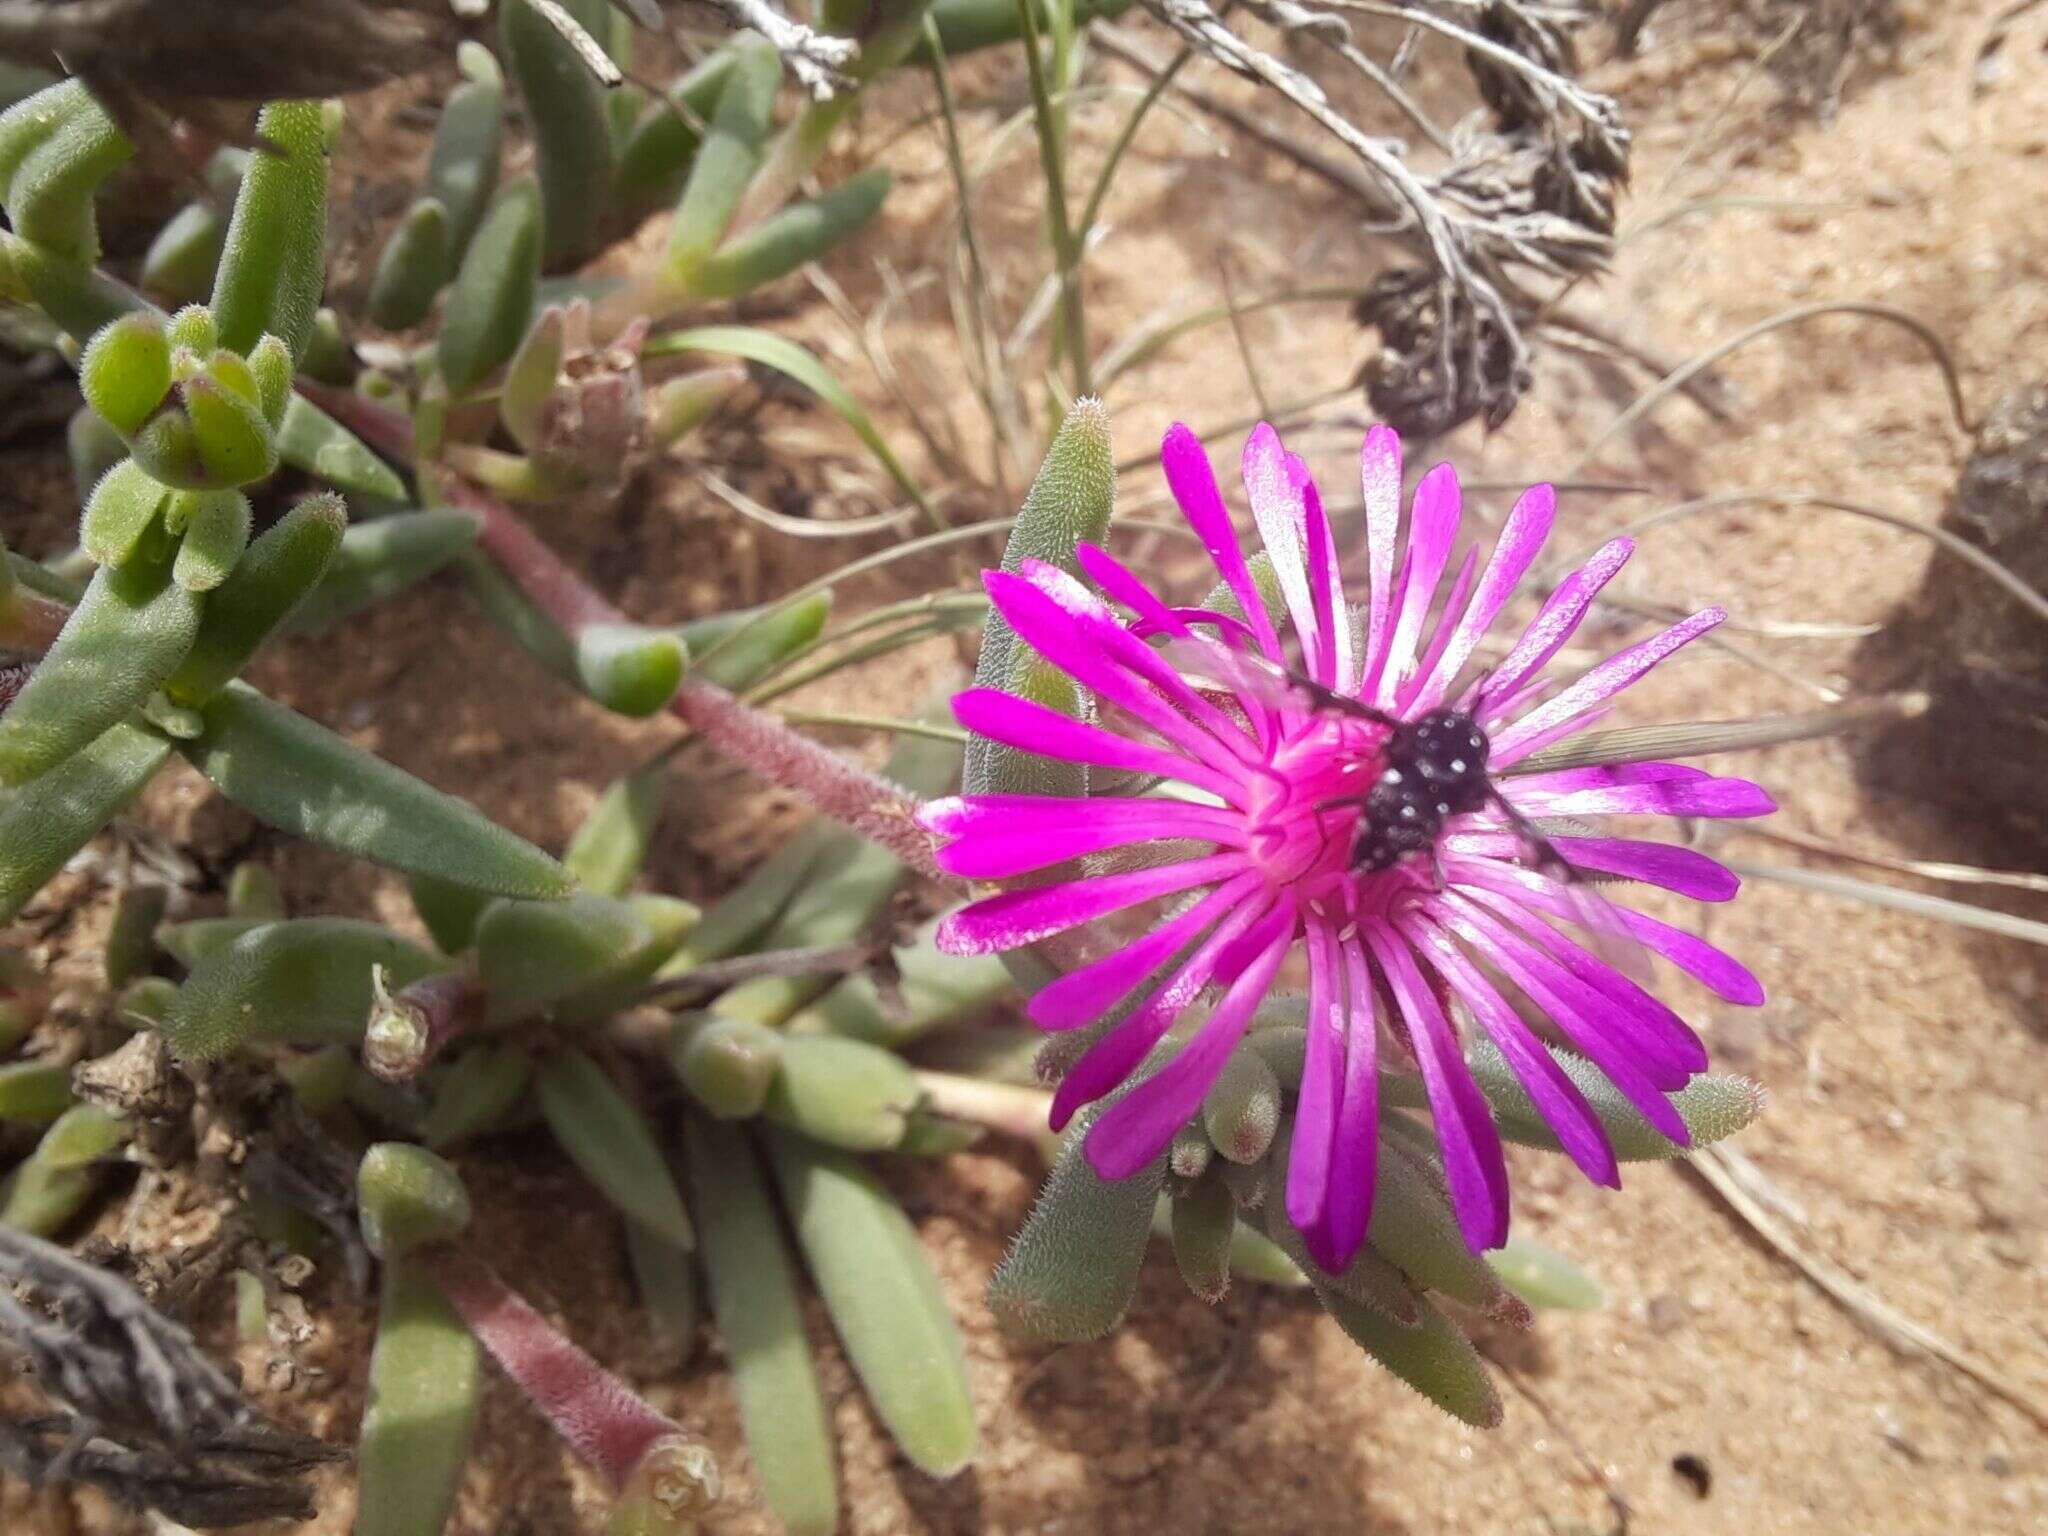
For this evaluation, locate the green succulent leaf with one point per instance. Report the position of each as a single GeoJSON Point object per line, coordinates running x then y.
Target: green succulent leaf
{"type": "Point", "coordinates": [760, 1318]}
{"type": "Point", "coordinates": [420, 1412]}
{"type": "Point", "coordinates": [608, 1138]}
{"type": "Point", "coordinates": [884, 1299]}
{"type": "Point", "coordinates": [275, 262]}
{"type": "Point", "coordinates": [302, 778]}
{"type": "Point", "coordinates": [306, 981]}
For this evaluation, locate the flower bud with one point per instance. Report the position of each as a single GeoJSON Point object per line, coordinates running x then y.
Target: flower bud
{"type": "Point", "coordinates": [126, 371]}
{"type": "Point", "coordinates": [407, 1197]}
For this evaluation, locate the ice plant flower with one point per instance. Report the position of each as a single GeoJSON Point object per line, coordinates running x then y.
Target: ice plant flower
{"type": "Point", "coordinates": [1263, 865]}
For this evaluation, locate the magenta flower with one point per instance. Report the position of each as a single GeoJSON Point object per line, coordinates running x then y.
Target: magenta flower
{"type": "Point", "coordinates": [1278, 788]}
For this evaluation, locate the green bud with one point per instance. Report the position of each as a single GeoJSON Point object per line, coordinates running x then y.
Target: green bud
{"type": "Point", "coordinates": [492, 300]}
{"type": "Point", "coordinates": [1190, 1152]}
{"type": "Point", "coordinates": [231, 370]}
{"type": "Point", "coordinates": [168, 449]}
{"type": "Point", "coordinates": [319, 1079]}
{"type": "Point", "coordinates": [126, 371]}
{"type": "Point", "coordinates": [34, 1092]}
{"type": "Point", "coordinates": [53, 1183]}
{"type": "Point", "coordinates": [531, 376]}
{"type": "Point", "coordinates": [884, 1300]}
{"type": "Point", "coordinates": [253, 892]}
{"type": "Point", "coordinates": [1073, 1268]}
{"type": "Point", "coordinates": [760, 1317]}
{"type": "Point", "coordinates": [727, 1065]}
{"type": "Point", "coordinates": [607, 1137]}
{"type": "Point", "coordinates": [306, 981]}
{"type": "Point", "coordinates": [192, 329]}
{"type": "Point", "coordinates": [1432, 1356]}
{"type": "Point", "coordinates": [1204, 1221]}
{"type": "Point", "coordinates": [1544, 1278]}
{"type": "Point", "coordinates": [261, 591]}
{"type": "Point", "coordinates": [1070, 501]}
{"type": "Point", "coordinates": [270, 369]}
{"type": "Point", "coordinates": [236, 445]}
{"type": "Point", "coordinates": [629, 668]}
{"type": "Point", "coordinates": [1242, 1108]}
{"type": "Point", "coordinates": [216, 528]}
{"type": "Point", "coordinates": [131, 936]}
{"type": "Point", "coordinates": [328, 356]}
{"type": "Point", "coordinates": [677, 407]}
{"type": "Point", "coordinates": [121, 510]}
{"type": "Point", "coordinates": [1712, 1105]}
{"type": "Point", "coordinates": [194, 940]}
{"type": "Point", "coordinates": [416, 264]}
{"type": "Point", "coordinates": [406, 1198]}
{"type": "Point", "coordinates": [845, 1093]}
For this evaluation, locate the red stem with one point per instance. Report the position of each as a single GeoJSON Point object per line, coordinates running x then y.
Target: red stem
{"type": "Point", "coordinates": [843, 790]}
{"type": "Point", "coordinates": [599, 1417]}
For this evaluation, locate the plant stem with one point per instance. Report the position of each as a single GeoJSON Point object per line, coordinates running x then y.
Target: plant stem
{"type": "Point", "coordinates": [598, 1416]}
{"type": "Point", "coordinates": [843, 790]}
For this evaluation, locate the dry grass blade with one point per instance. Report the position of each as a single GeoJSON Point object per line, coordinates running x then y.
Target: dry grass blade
{"type": "Point", "coordinates": [1680, 377]}
{"type": "Point", "coordinates": [1940, 908]}
{"type": "Point", "coordinates": [1926, 869]}
{"type": "Point", "coordinates": [805, 527]}
{"type": "Point", "coordinates": [1738, 1182]}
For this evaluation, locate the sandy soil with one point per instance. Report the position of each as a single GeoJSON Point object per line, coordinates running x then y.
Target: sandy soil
{"type": "Point", "coordinates": [1907, 1128]}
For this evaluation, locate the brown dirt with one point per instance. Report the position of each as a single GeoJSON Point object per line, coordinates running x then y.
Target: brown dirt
{"type": "Point", "coordinates": [1905, 1058]}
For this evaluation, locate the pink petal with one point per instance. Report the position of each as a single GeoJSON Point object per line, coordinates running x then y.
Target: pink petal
{"type": "Point", "coordinates": [1337, 651]}
{"type": "Point", "coordinates": [1556, 1096]}
{"type": "Point", "coordinates": [1078, 635]}
{"type": "Point", "coordinates": [1088, 994]}
{"type": "Point", "coordinates": [1279, 508]}
{"type": "Point", "coordinates": [1640, 1021]}
{"type": "Point", "coordinates": [1013, 919]}
{"type": "Point", "coordinates": [1425, 670]}
{"type": "Point", "coordinates": [1713, 968]}
{"type": "Point", "coordinates": [997, 837]}
{"type": "Point", "coordinates": [1473, 1165]}
{"type": "Point", "coordinates": [1193, 483]}
{"type": "Point", "coordinates": [1666, 865]}
{"type": "Point", "coordinates": [1600, 684]}
{"type": "Point", "coordinates": [1033, 727]}
{"type": "Point", "coordinates": [1136, 1128]}
{"type": "Point", "coordinates": [1568, 1003]}
{"type": "Point", "coordinates": [1557, 621]}
{"type": "Point", "coordinates": [1340, 1231]}
{"type": "Point", "coordinates": [1705, 795]}
{"type": "Point", "coordinates": [1322, 1078]}
{"type": "Point", "coordinates": [1521, 540]}
{"type": "Point", "coordinates": [1116, 1055]}
{"type": "Point", "coordinates": [1432, 529]}
{"type": "Point", "coordinates": [1379, 473]}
